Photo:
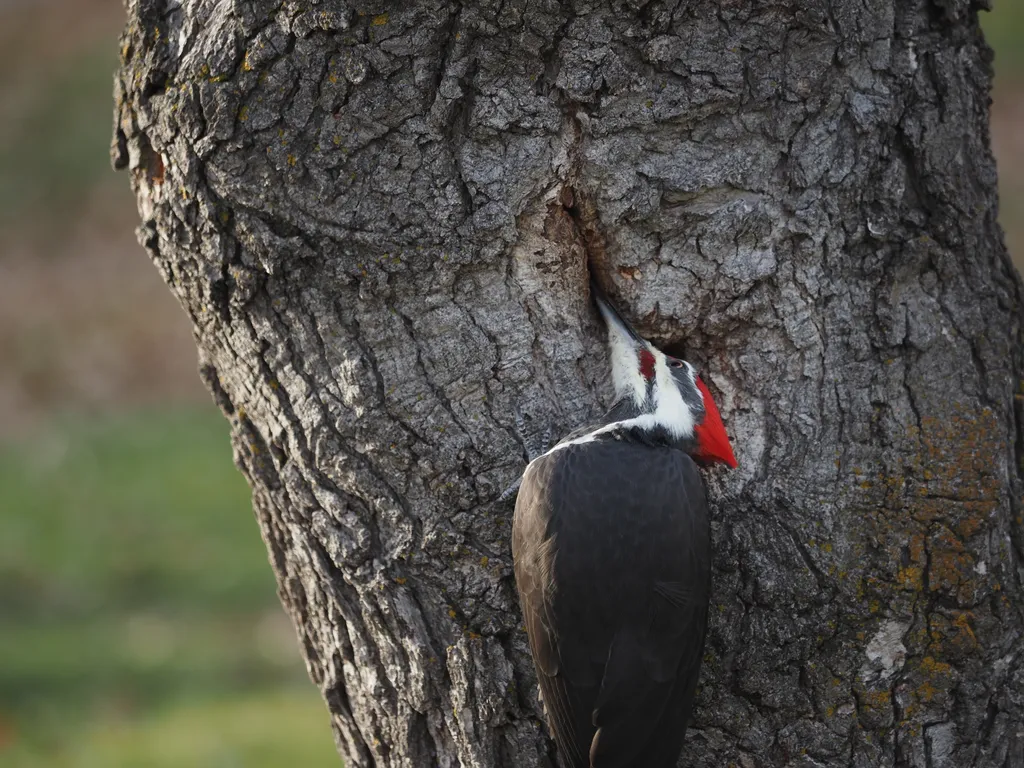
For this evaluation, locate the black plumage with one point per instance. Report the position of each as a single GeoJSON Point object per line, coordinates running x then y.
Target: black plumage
{"type": "Point", "coordinates": [611, 542]}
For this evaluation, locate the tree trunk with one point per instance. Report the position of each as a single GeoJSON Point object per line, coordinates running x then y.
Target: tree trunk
{"type": "Point", "coordinates": [380, 220]}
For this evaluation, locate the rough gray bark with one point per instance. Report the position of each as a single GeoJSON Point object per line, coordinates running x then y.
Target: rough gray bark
{"type": "Point", "coordinates": [379, 218]}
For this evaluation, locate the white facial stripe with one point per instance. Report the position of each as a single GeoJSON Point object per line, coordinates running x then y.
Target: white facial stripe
{"type": "Point", "coordinates": [670, 410]}
{"type": "Point", "coordinates": [626, 376]}
{"type": "Point", "coordinates": [693, 376]}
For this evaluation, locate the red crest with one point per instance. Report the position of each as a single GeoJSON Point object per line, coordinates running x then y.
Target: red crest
{"type": "Point", "coordinates": [646, 364]}
{"type": "Point", "coordinates": [712, 442]}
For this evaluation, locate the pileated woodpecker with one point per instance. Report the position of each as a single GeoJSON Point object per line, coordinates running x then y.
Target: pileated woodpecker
{"type": "Point", "coordinates": [612, 551]}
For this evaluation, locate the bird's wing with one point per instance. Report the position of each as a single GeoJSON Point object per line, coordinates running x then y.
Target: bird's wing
{"type": "Point", "coordinates": [614, 581]}
{"type": "Point", "coordinates": [567, 707]}
{"type": "Point", "coordinates": [647, 694]}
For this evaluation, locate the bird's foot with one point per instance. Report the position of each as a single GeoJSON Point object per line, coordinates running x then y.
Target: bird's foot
{"type": "Point", "coordinates": [512, 490]}
{"type": "Point", "coordinates": [535, 446]}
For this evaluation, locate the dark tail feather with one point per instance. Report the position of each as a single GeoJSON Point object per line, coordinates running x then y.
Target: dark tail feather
{"type": "Point", "coordinates": [629, 712]}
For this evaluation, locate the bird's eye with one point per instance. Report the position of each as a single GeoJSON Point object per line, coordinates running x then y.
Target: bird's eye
{"type": "Point", "coordinates": [676, 364]}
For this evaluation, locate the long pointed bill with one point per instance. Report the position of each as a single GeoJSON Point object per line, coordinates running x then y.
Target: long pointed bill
{"type": "Point", "coordinates": [631, 356]}
{"type": "Point", "coordinates": [615, 322]}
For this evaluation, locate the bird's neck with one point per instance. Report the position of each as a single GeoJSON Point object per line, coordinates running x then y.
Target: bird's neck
{"type": "Point", "coordinates": [645, 430]}
{"type": "Point", "coordinates": [626, 422]}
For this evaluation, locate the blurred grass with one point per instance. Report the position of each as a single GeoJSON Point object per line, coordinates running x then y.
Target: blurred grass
{"type": "Point", "coordinates": [140, 624]}
{"type": "Point", "coordinates": [54, 149]}
{"type": "Point", "coordinates": [1004, 30]}
{"type": "Point", "coordinates": [272, 729]}
{"type": "Point", "coordinates": [139, 510]}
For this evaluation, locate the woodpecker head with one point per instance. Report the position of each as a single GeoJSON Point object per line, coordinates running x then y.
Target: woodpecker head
{"type": "Point", "coordinates": [665, 392]}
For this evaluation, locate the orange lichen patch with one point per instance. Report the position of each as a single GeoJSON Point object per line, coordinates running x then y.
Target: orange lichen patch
{"type": "Point", "coordinates": [937, 681]}
{"type": "Point", "coordinates": [931, 666]}
{"type": "Point", "coordinates": [963, 623]}
{"type": "Point", "coordinates": [926, 509]}
{"type": "Point", "coordinates": [380, 20]}
{"type": "Point", "coordinates": [957, 453]}
{"type": "Point", "coordinates": [951, 568]}
{"type": "Point", "coordinates": [916, 548]}
{"type": "Point", "coordinates": [876, 700]}
{"type": "Point", "coordinates": [953, 637]}
{"type": "Point", "coordinates": [894, 486]}
{"type": "Point", "coordinates": [929, 507]}
{"type": "Point", "coordinates": [976, 513]}
{"type": "Point", "coordinates": [961, 452]}
{"type": "Point", "coordinates": [930, 689]}
{"type": "Point", "coordinates": [909, 710]}
{"type": "Point", "coordinates": [911, 577]}
{"type": "Point", "coordinates": [926, 689]}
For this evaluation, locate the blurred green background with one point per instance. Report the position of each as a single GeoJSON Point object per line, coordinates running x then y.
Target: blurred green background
{"type": "Point", "coordinates": [139, 625]}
